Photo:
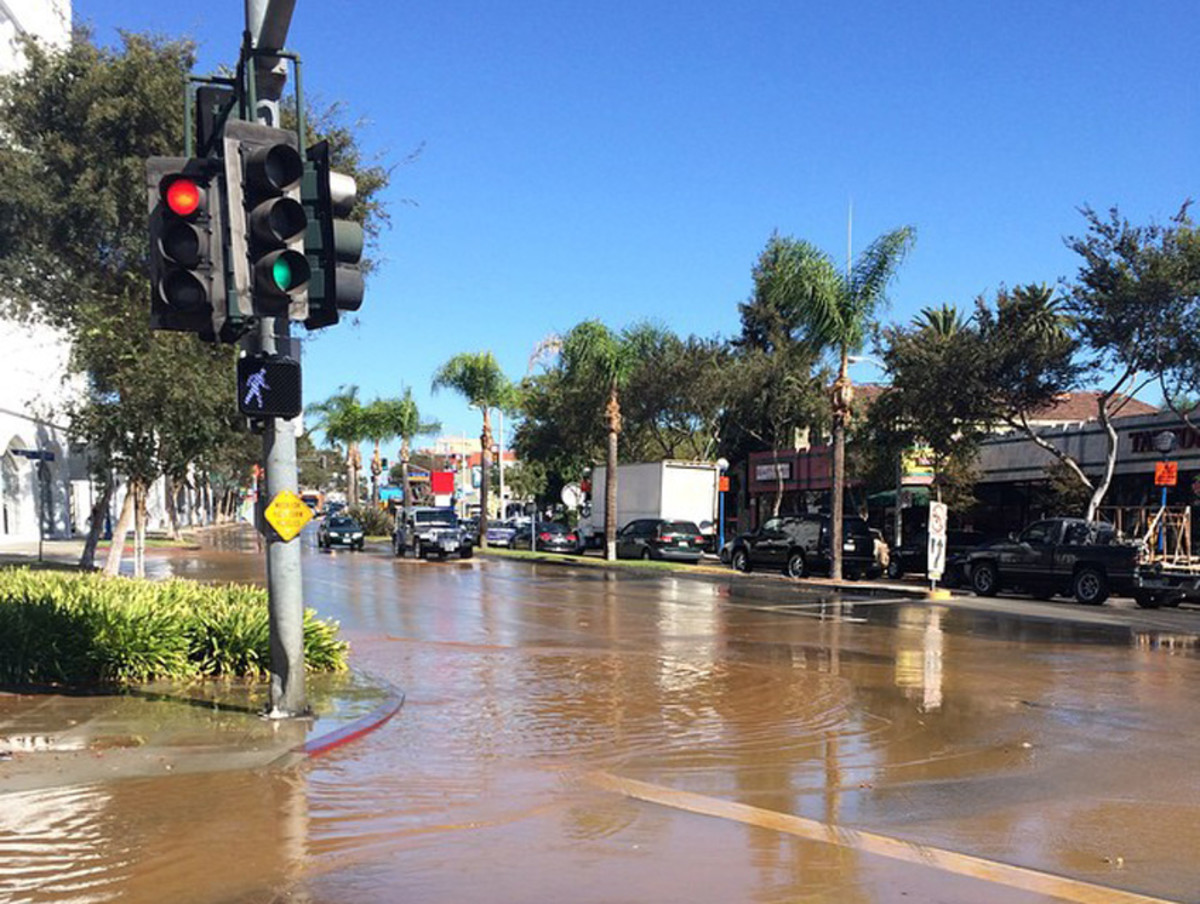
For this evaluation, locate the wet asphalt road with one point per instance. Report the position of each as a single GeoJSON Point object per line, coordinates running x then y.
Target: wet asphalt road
{"type": "Point", "coordinates": [586, 735]}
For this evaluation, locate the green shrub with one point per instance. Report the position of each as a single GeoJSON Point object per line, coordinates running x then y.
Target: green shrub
{"type": "Point", "coordinates": [62, 628]}
{"type": "Point", "coordinates": [375, 522]}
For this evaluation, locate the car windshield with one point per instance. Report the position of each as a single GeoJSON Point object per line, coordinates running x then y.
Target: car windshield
{"type": "Point", "coordinates": [680, 527]}
{"type": "Point", "coordinates": [345, 523]}
{"type": "Point", "coordinates": [550, 527]}
{"type": "Point", "coordinates": [443, 518]}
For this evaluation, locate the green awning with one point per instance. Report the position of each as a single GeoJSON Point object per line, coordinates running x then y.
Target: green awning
{"type": "Point", "coordinates": [887, 498]}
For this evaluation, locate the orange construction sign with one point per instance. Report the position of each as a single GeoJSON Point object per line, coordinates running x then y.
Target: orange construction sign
{"type": "Point", "coordinates": [1166, 473]}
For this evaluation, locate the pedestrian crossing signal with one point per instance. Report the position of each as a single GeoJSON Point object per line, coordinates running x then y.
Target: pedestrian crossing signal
{"type": "Point", "coordinates": [269, 386]}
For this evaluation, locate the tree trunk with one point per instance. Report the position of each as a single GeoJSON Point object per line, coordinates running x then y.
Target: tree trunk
{"type": "Point", "coordinates": [113, 565]}
{"type": "Point", "coordinates": [353, 460]}
{"type": "Point", "coordinates": [485, 476]}
{"type": "Point", "coordinates": [1110, 462]}
{"type": "Point", "coordinates": [841, 409]}
{"type": "Point", "coordinates": [87, 561]}
{"type": "Point", "coordinates": [170, 495]}
{"type": "Point", "coordinates": [405, 483]}
{"type": "Point", "coordinates": [139, 531]}
{"type": "Point", "coordinates": [613, 414]}
{"type": "Point", "coordinates": [376, 470]}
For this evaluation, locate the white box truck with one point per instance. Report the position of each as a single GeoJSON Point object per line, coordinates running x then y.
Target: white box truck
{"type": "Point", "coordinates": [675, 490]}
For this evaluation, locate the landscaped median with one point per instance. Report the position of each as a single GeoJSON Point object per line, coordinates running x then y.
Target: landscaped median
{"type": "Point", "coordinates": [88, 629]}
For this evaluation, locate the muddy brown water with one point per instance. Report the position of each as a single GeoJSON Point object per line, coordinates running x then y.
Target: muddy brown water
{"type": "Point", "coordinates": [534, 692]}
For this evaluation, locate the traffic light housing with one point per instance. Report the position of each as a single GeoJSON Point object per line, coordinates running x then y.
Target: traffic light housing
{"type": "Point", "coordinates": [263, 170]}
{"type": "Point", "coordinates": [187, 269]}
{"type": "Point", "coordinates": [333, 243]}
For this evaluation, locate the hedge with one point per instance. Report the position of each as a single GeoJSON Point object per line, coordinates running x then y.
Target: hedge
{"type": "Point", "coordinates": [88, 629]}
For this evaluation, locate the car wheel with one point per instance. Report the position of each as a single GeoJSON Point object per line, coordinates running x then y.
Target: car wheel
{"type": "Point", "coordinates": [646, 556]}
{"type": "Point", "coordinates": [1147, 600]}
{"type": "Point", "coordinates": [985, 580]}
{"type": "Point", "coordinates": [740, 561]}
{"type": "Point", "coordinates": [894, 570]}
{"type": "Point", "coordinates": [1090, 586]}
{"type": "Point", "coordinates": [796, 566]}
{"type": "Point", "coordinates": [466, 552]}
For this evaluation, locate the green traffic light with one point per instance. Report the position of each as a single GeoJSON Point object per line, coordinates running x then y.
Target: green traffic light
{"type": "Point", "coordinates": [281, 272]}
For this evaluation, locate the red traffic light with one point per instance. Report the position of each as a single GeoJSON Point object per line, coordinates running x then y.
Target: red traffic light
{"type": "Point", "coordinates": [182, 195]}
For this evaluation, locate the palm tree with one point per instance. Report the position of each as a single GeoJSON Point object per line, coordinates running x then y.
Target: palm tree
{"type": "Point", "coordinates": [408, 426]}
{"type": "Point", "coordinates": [837, 310]}
{"type": "Point", "coordinates": [593, 353]}
{"type": "Point", "coordinates": [341, 418]}
{"type": "Point", "coordinates": [478, 378]}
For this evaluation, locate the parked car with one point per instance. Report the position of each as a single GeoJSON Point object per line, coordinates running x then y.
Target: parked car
{"type": "Point", "coordinates": [470, 529]}
{"type": "Point", "coordinates": [551, 537]}
{"type": "Point", "coordinates": [799, 545]}
{"type": "Point", "coordinates": [911, 556]}
{"type": "Point", "coordinates": [657, 538]}
{"type": "Point", "coordinates": [340, 530]}
{"type": "Point", "coordinates": [431, 531]}
{"type": "Point", "coordinates": [500, 533]}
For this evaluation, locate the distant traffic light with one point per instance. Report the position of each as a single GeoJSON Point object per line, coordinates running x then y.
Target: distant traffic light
{"type": "Point", "coordinates": [187, 273]}
{"type": "Point", "coordinates": [262, 171]}
{"type": "Point", "coordinates": [333, 243]}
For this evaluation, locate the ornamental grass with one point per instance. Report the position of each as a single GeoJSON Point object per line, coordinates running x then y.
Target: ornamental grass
{"type": "Point", "coordinates": [88, 629]}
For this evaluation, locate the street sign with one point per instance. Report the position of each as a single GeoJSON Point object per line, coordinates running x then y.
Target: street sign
{"type": "Point", "coordinates": [937, 540]}
{"type": "Point", "coordinates": [1166, 473]}
{"type": "Point", "coordinates": [288, 514]}
{"type": "Point", "coordinates": [269, 386]}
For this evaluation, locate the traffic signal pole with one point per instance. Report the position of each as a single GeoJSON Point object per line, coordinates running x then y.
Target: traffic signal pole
{"type": "Point", "coordinates": [288, 695]}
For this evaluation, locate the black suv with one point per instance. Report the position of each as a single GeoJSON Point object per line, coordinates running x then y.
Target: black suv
{"type": "Point", "coordinates": [799, 546]}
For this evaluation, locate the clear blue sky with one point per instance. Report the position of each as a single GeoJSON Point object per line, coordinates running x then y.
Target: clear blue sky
{"type": "Point", "coordinates": [629, 160]}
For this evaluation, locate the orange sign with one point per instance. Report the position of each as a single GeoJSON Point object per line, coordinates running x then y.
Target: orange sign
{"type": "Point", "coordinates": [724, 487]}
{"type": "Point", "coordinates": [1166, 473]}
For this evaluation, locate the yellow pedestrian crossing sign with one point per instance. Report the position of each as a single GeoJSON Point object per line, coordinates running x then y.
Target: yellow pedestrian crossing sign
{"type": "Point", "coordinates": [288, 514]}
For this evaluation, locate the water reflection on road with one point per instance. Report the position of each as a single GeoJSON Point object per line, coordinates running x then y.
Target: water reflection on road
{"type": "Point", "coordinates": [1065, 749]}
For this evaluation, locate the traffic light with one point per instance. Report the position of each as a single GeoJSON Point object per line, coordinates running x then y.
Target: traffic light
{"type": "Point", "coordinates": [263, 169]}
{"type": "Point", "coordinates": [334, 244]}
{"type": "Point", "coordinates": [187, 272]}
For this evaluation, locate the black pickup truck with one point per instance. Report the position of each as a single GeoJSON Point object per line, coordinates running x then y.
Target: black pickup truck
{"type": "Point", "coordinates": [1084, 559]}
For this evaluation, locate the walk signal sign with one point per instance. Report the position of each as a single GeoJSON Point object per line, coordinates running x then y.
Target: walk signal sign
{"type": "Point", "coordinates": [187, 270]}
{"type": "Point", "coordinates": [269, 386]}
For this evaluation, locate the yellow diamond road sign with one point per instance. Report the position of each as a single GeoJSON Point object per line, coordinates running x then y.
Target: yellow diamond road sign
{"type": "Point", "coordinates": [288, 514]}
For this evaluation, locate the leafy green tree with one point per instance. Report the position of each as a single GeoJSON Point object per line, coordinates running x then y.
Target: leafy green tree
{"type": "Point", "coordinates": [595, 355]}
{"type": "Point", "coordinates": [1134, 308]}
{"type": "Point", "coordinates": [837, 310]}
{"type": "Point", "coordinates": [477, 377]}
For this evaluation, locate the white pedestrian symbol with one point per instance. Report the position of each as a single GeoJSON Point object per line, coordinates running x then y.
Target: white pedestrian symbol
{"type": "Point", "coordinates": [254, 387]}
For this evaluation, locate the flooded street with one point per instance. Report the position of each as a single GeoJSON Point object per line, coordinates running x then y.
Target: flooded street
{"type": "Point", "coordinates": [583, 735]}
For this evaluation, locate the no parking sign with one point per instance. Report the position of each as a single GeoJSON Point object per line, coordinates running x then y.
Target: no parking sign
{"type": "Point", "coordinates": [937, 540]}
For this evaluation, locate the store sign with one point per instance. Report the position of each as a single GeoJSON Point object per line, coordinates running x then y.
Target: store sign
{"type": "Point", "coordinates": [775, 471]}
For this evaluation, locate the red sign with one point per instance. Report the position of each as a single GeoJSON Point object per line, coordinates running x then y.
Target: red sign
{"type": "Point", "coordinates": [442, 483]}
{"type": "Point", "coordinates": [724, 487]}
{"type": "Point", "coordinates": [1166, 473]}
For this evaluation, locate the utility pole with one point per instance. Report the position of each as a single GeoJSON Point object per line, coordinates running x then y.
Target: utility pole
{"type": "Point", "coordinates": [267, 23]}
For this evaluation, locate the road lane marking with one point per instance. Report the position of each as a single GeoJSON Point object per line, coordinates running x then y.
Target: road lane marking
{"type": "Point", "coordinates": [1016, 877]}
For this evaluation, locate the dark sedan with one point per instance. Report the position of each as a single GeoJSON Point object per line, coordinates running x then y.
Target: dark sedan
{"type": "Point", "coordinates": [340, 530]}
{"type": "Point", "coordinates": [651, 538]}
{"type": "Point", "coordinates": [550, 537]}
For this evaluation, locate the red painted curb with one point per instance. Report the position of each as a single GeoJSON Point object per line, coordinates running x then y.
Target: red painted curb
{"type": "Point", "coordinates": [321, 745]}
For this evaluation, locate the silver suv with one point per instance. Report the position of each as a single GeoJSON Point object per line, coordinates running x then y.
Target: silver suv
{"type": "Point", "coordinates": [431, 531]}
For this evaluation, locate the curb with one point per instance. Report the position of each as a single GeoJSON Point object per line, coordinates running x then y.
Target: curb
{"type": "Point", "coordinates": [376, 718]}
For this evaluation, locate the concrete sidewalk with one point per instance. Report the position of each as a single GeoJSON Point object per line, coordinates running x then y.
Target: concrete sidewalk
{"type": "Point", "coordinates": [52, 739]}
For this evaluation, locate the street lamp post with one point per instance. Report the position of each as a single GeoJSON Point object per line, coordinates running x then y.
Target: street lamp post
{"type": "Point", "coordinates": [1164, 442]}
{"type": "Point", "coordinates": [722, 467]}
